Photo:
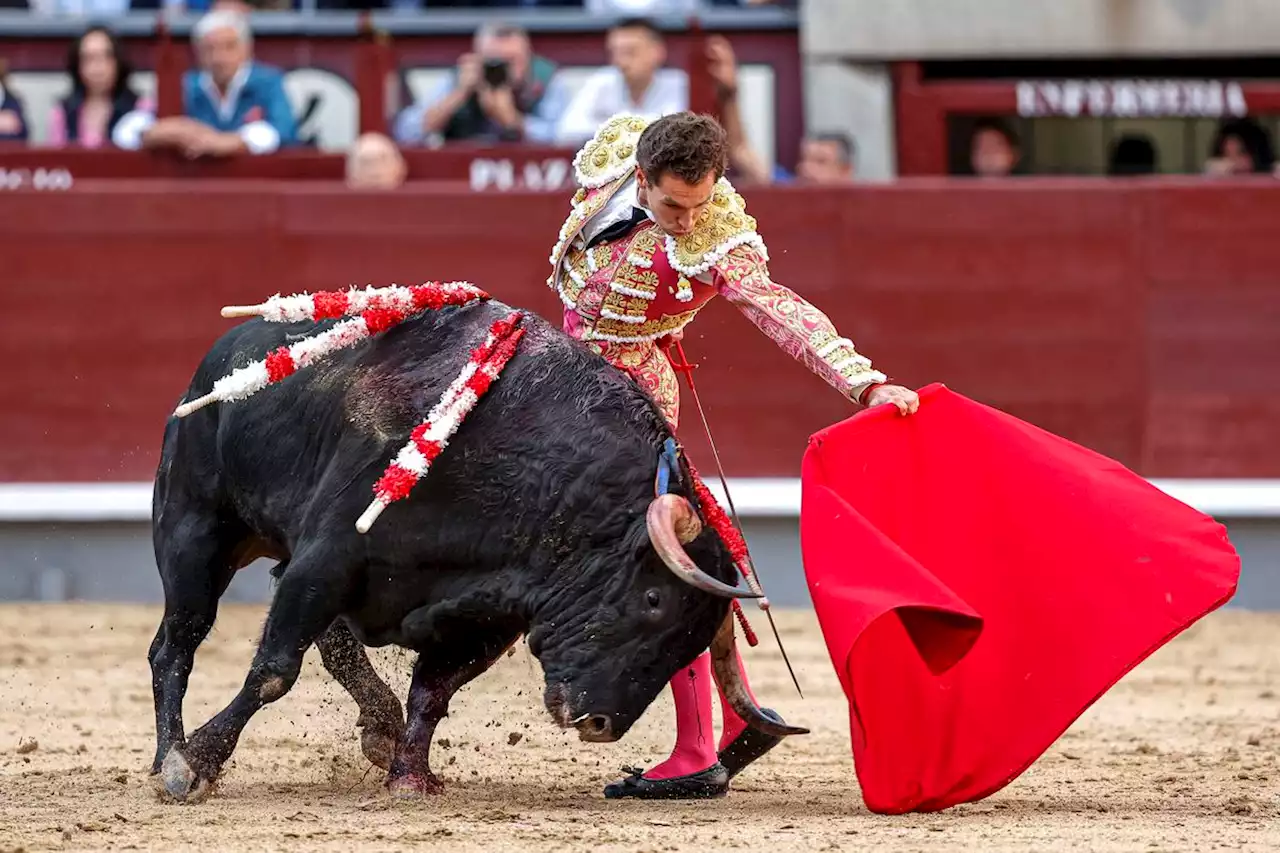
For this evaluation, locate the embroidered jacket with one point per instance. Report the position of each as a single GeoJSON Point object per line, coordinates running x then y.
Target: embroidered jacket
{"type": "Point", "coordinates": [650, 284]}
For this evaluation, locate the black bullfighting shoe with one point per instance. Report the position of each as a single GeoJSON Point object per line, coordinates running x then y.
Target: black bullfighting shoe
{"type": "Point", "coordinates": [705, 785]}
{"type": "Point", "coordinates": [749, 746]}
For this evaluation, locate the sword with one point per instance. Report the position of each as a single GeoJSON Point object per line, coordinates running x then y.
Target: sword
{"type": "Point", "coordinates": [753, 579]}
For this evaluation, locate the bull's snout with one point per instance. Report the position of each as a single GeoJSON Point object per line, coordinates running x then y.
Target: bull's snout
{"type": "Point", "coordinates": [571, 709]}
{"type": "Point", "coordinates": [595, 728]}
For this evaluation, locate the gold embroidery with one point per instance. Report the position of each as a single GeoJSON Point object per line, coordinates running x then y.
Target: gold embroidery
{"type": "Point", "coordinates": [684, 290]}
{"type": "Point", "coordinates": [611, 153]}
{"type": "Point", "coordinates": [631, 282]}
{"type": "Point", "coordinates": [634, 285]}
{"type": "Point", "coordinates": [722, 226]}
{"type": "Point", "coordinates": [645, 242]}
{"type": "Point", "coordinates": [855, 367]}
{"type": "Point", "coordinates": [610, 157]}
{"type": "Point", "coordinates": [573, 281]}
{"type": "Point", "coordinates": [578, 216]}
{"type": "Point", "coordinates": [600, 255]}
{"type": "Point", "coordinates": [821, 337]}
{"type": "Point", "coordinates": [607, 329]}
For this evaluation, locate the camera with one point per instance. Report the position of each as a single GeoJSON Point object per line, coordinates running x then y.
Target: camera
{"type": "Point", "coordinates": [495, 72]}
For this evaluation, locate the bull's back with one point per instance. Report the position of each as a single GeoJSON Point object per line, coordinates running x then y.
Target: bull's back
{"type": "Point", "coordinates": [309, 447]}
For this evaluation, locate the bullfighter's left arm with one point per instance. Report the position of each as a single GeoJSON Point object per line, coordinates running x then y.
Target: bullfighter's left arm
{"type": "Point", "coordinates": [798, 327]}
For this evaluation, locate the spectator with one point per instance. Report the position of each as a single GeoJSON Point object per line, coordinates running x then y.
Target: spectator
{"type": "Point", "coordinates": [1133, 154]}
{"type": "Point", "coordinates": [993, 149]}
{"type": "Point", "coordinates": [1241, 147]}
{"type": "Point", "coordinates": [232, 105]}
{"type": "Point", "coordinates": [375, 163]}
{"type": "Point", "coordinates": [501, 92]}
{"type": "Point", "coordinates": [100, 94]}
{"type": "Point", "coordinates": [636, 82]}
{"type": "Point", "coordinates": [826, 158]}
{"type": "Point", "coordinates": [13, 118]}
{"type": "Point", "coordinates": [744, 161]}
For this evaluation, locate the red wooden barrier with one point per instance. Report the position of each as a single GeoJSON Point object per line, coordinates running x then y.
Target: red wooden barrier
{"type": "Point", "coordinates": [482, 166]}
{"type": "Point", "coordinates": [1140, 319]}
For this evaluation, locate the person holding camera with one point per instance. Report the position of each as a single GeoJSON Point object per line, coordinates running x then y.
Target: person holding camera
{"type": "Point", "coordinates": [500, 92]}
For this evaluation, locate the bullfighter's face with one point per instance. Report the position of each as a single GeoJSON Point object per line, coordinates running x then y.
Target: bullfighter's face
{"type": "Point", "coordinates": [675, 203]}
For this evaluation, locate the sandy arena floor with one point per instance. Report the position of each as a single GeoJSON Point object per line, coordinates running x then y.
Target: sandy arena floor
{"type": "Point", "coordinates": [1183, 755]}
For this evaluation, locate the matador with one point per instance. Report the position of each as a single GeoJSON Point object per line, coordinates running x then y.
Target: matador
{"type": "Point", "coordinates": [654, 233]}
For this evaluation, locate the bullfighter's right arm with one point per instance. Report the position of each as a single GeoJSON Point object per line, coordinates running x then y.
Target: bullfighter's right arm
{"type": "Point", "coordinates": [792, 323]}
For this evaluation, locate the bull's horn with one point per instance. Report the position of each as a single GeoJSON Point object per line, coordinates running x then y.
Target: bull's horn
{"type": "Point", "coordinates": [728, 673]}
{"type": "Point", "coordinates": [672, 523]}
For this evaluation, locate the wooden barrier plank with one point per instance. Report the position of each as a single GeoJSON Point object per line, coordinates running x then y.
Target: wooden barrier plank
{"type": "Point", "coordinates": [1055, 301]}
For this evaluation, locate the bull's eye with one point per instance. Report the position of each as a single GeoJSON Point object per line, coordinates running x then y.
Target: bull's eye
{"type": "Point", "coordinates": [654, 598]}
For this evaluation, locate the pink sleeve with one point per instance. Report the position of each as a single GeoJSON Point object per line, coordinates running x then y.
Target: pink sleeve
{"type": "Point", "coordinates": [57, 137]}
{"type": "Point", "coordinates": [800, 329]}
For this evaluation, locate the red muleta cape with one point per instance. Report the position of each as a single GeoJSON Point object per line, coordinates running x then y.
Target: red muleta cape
{"type": "Point", "coordinates": [980, 583]}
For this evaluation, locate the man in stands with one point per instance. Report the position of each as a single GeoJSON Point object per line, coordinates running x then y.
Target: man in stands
{"type": "Point", "coordinates": [635, 82]}
{"type": "Point", "coordinates": [374, 163]}
{"type": "Point", "coordinates": [232, 105]}
{"type": "Point", "coordinates": [500, 92]}
{"type": "Point", "coordinates": [825, 159]}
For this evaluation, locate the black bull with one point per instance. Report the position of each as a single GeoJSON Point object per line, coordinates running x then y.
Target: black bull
{"type": "Point", "coordinates": [538, 520]}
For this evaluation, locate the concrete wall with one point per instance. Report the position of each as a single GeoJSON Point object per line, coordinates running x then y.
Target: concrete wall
{"type": "Point", "coordinates": [930, 29]}
{"type": "Point", "coordinates": [855, 99]}
{"type": "Point", "coordinates": [114, 562]}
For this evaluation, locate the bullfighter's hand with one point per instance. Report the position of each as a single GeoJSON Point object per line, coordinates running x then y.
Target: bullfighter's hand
{"type": "Point", "coordinates": [905, 399]}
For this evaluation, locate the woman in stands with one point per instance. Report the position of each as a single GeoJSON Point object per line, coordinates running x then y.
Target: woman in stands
{"type": "Point", "coordinates": [100, 93]}
{"type": "Point", "coordinates": [13, 118]}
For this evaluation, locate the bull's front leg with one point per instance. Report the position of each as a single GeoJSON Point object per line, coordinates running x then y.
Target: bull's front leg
{"type": "Point", "coordinates": [309, 598]}
{"type": "Point", "coordinates": [435, 680]}
{"type": "Point", "coordinates": [381, 720]}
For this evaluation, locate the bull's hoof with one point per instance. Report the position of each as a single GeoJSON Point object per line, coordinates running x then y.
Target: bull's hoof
{"type": "Point", "coordinates": [180, 781]}
{"type": "Point", "coordinates": [378, 746]}
{"type": "Point", "coordinates": [413, 786]}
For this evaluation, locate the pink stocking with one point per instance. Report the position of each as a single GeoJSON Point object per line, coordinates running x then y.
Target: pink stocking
{"type": "Point", "coordinates": [693, 751]}
{"type": "Point", "coordinates": [733, 724]}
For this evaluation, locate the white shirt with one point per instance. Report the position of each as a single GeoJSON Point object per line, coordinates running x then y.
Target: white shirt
{"type": "Point", "coordinates": [605, 94]}
{"type": "Point", "coordinates": [616, 209]}
{"type": "Point", "coordinates": [259, 136]}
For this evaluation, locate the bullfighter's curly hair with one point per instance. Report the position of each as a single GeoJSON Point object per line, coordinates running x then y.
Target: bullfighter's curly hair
{"type": "Point", "coordinates": [686, 145]}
